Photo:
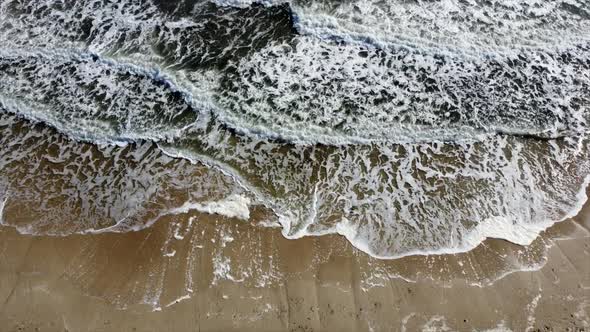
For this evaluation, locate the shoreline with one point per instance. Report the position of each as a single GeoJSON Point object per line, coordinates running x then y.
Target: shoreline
{"type": "Point", "coordinates": [522, 233]}
{"type": "Point", "coordinates": [224, 274]}
{"type": "Point", "coordinates": [195, 270]}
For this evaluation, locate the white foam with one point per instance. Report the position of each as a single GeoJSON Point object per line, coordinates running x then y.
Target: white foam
{"type": "Point", "coordinates": [531, 308]}
{"type": "Point", "coordinates": [436, 323]}
{"type": "Point", "coordinates": [222, 270]}
{"type": "Point", "coordinates": [234, 206]}
{"type": "Point", "coordinates": [180, 299]}
{"type": "Point", "coordinates": [501, 327]}
{"type": "Point", "coordinates": [246, 3]}
{"type": "Point", "coordinates": [2, 205]}
{"type": "Point", "coordinates": [582, 314]}
{"type": "Point", "coordinates": [84, 117]}
{"type": "Point", "coordinates": [515, 230]}
{"type": "Point", "coordinates": [325, 92]}
{"type": "Point", "coordinates": [446, 24]}
{"type": "Point", "coordinates": [170, 254]}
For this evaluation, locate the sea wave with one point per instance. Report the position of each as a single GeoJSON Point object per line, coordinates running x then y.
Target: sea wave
{"type": "Point", "coordinates": [404, 131]}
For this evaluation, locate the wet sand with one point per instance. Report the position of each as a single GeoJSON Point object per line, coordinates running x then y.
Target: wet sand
{"type": "Point", "coordinates": [199, 272]}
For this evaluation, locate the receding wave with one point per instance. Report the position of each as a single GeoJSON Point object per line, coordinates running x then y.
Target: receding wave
{"type": "Point", "coordinates": [409, 128]}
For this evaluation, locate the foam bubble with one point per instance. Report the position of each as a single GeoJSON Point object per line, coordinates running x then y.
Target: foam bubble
{"type": "Point", "coordinates": [235, 206]}
{"type": "Point", "coordinates": [470, 27]}
{"type": "Point", "coordinates": [312, 90]}
{"type": "Point", "coordinates": [2, 205]}
{"type": "Point", "coordinates": [93, 99]}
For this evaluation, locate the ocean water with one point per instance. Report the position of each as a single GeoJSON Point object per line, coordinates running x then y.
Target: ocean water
{"type": "Point", "coordinates": [409, 127]}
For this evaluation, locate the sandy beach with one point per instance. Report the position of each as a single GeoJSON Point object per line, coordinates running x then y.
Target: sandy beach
{"type": "Point", "coordinates": [222, 274]}
{"type": "Point", "coordinates": [295, 165]}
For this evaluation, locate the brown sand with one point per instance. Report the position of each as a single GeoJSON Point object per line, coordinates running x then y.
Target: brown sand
{"type": "Point", "coordinates": [228, 275]}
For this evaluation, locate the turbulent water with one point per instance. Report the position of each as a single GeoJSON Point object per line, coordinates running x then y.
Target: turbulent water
{"type": "Point", "coordinates": [410, 127]}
